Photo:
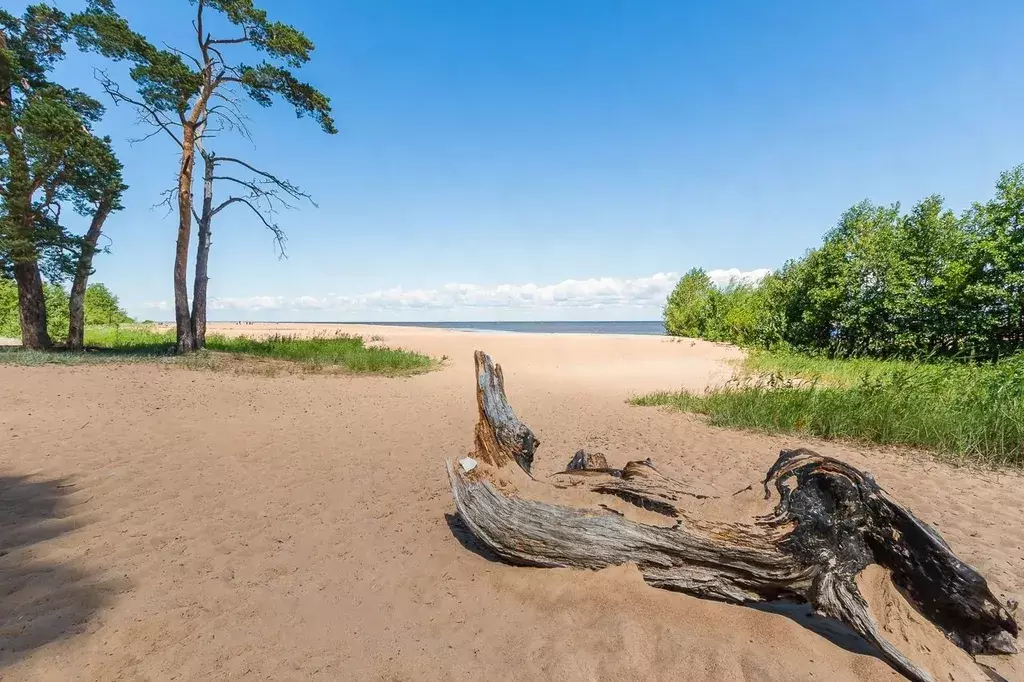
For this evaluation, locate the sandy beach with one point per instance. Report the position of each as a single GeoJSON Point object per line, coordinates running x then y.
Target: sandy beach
{"type": "Point", "coordinates": [164, 523]}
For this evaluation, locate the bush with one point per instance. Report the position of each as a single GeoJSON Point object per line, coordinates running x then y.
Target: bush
{"type": "Point", "coordinates": [9, 325]}
{"type": "Point", "coordinates": [884, 283]}
{"type": "Point", "coordinates": [101, 307]}
{"type": "Point", "coordinates": [699, 309]}
{"type": "Point", "coordinates": [690, 307]}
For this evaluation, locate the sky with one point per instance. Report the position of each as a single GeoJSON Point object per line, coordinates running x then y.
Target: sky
{"type": "Point", "coordinates": [568, 159]}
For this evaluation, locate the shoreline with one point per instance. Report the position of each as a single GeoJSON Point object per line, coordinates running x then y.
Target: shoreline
{"type": "Point", "coordinates": [559, 327]}
{"type": "Point", "coordinates": [221, 525]}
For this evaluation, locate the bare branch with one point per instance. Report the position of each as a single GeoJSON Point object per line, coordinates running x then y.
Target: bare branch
{"type": "Point", "coordinates": [217, 52]}
{"type": "Point", "coordinates": [292, 190]}
{"type": "Point", "coordinates": [232, 117]}
{"type": "Point", "coordinates": [255, 189]}
{"type": "Point", "coordinates": [198, 24]}
{"type": "Point", "coordinates": [279, 236]}
{"type": "Point", "coordinates": [153, 133]}
{"type": "Point", "coordinates": [229, 41]}
{"type": "Point", "coordinates": [170, 196]}
{"type": "Point", "coordinates": [224, 204]}
{"type": "Point", "coordinates": [184, 54]}
{"type": "Point", "coordinates": [147, 113]}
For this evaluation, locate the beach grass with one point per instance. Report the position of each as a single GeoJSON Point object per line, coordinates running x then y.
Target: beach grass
{"type": "Point", "coordinates": [134, 343]}
{"type": "Point", "coordinates": [846, 372]}
{"type": "Point", "coordinates": [967, 414]}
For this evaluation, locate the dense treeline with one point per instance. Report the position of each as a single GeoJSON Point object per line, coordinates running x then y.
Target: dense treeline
{"type": "Point", "coordinates": [101, 308]}
{"type": "Point", "coordinates": [884, 283]}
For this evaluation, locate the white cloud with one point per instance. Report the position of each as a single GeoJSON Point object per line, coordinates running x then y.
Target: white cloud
{"type": "Point", "coordinates": [723, 277]}
{"type": "Point", "coordinates": [603, 292]}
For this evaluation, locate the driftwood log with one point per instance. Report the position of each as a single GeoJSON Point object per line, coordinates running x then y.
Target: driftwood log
{"type": "Point", "coordinates": [824, 524]}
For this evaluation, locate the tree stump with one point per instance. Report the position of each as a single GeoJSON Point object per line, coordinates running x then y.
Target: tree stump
{"type": "Point", "coordinates": [826, 534]}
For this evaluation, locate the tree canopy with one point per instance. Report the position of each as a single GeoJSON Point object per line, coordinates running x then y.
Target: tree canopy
{"type": "Point", "coordinates": [884, 283]}
{"type": "Point", "coordinates": [101, 308]}
{"type": "Point", "coordinates": [50, 159]}
{"type": "Point", "coordinates": [191, 96]}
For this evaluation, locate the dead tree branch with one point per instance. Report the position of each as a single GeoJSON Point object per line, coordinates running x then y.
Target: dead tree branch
{"type": "Point", "coordinates": [831, 537]}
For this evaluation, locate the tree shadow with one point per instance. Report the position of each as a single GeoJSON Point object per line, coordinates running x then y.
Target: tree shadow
{"type": "Point", "coordinates": [41, 601]}
{"type": "Point", "coordinates": [469, 541]}
{"type": "Point", "coordinates": [834, 631]}
{"type": "Point", "coordinates": [59, 354]}
{"type": "Point", "coordinates": [837, 632]}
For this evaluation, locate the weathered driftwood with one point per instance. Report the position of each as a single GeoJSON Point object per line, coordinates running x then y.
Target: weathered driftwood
{"type": "Point", "coordinates": [829, 523]}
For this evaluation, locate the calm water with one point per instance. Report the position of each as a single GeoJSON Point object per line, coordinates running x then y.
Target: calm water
{"type": "Point", "coordinates": [654, 328]}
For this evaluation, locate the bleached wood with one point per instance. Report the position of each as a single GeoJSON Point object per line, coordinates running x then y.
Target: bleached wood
{"type": "Point", "coordinates": [830, 521]}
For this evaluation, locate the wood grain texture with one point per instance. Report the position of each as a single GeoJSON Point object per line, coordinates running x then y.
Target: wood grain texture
{"type": "Point", "coordinates": [828, 524]}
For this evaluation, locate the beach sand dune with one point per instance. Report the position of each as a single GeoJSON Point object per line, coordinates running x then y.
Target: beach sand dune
{"type": "Point", "coordinates": [161, 523]}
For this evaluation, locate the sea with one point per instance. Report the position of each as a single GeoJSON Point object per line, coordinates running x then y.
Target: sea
{"type": "Point", "coordinates": [646, 328]}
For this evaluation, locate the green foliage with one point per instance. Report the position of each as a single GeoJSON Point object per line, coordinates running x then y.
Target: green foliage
{"type": "Point", "coordinates": [697, 308]}
{"type": "Point", "coordinates": [9, 326]}
{"type": "Point", "coordinates": [347, 351]}
{"type": "Point", "coordinates": [884, 283]}
{"type": "Point", "coordinates": [690, 309]}
{"type": "Point", "coordinates": [56, 310]}
{"type": "Point", "coordinates": [964, 413]}
{"type": "Point", "coordinates": [101, 307]}
{"type": "Point", "coordinates": [49, 156]}
{"type": "Point", "coordinates": [822, 369]}
{"type": "Point", "coordinates": [168, 84]}
{"type": "Point", "coordinates": [57, 313]}
{"type": "Point", "coordinates": [342, 351]}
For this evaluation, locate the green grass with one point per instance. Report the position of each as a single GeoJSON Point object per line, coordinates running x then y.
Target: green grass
{"type": "Point", "coordinates": [813, 367]}
{"type": "Point", "coordinates": [145, 344]}
{"type": "Point", "coordinates": [967, 414]}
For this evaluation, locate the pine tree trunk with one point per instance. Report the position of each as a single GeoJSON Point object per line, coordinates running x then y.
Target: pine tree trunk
{"type": "Point", "coordinates": [17, 205]}
{"type": "Point", "coordinates": [31, 305]}
{"type": "Point", "coordinates": [202, 278]}
{"type": "Point", "coordinates": [182, 315]}
{"type": "Point", "coordinates": [76, 327]}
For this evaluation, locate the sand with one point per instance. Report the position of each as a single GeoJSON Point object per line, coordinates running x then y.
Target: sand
{"type": "Point", "coordinates": [164, 523]}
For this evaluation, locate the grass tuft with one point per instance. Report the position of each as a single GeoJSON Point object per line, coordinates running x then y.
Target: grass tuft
{"type": "Point", "coordinates": [127, 344]}
{"type": "Point", "coordinates": [967, 414]}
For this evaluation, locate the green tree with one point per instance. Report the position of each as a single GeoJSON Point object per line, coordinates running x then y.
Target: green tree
{"type": "Point", "coordinates": [189, 96]}
{"type": "Point", "coordinates": [884, 283]}
{"type": "Point", "coordinates": [49, 160]}
{"type": "Point", "coordinates": [736, 314]}
{"type": "Point", "coordinates": [9, 325]}
{"type": "Point", "coordinates": [103, 307]}
{"type": "Point", "coordinates": [690, 306]}
{"type": "Point", "coordinates": [996, 281]}
{"type": "Point", "coordinates": [57, 319]}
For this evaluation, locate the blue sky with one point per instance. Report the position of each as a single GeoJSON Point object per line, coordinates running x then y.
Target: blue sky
{"type": "Point", "coordinates": [560, 159]}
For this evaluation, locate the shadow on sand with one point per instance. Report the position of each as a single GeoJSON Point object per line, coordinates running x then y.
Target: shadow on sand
{"type": "Point", "coordinates": [470, 541]}
{"type": "Point", "coordinates": [40, 601]}
{"type": "Point", "coordinates": [834, 631]}
{"type": "Point", "coordinates": [59, 355]}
